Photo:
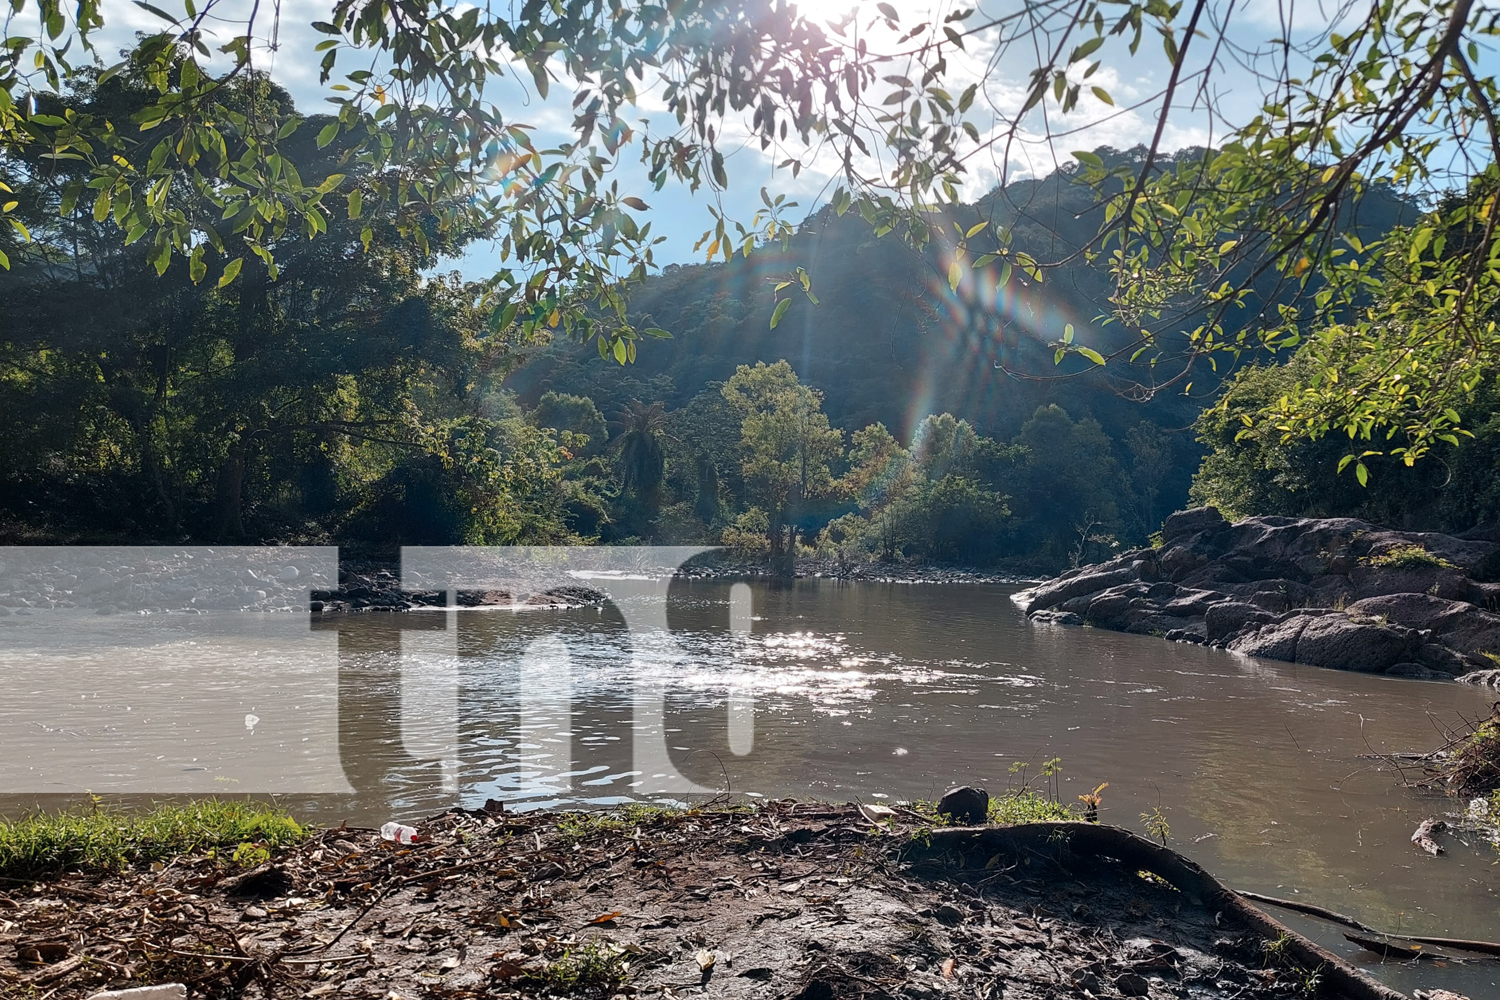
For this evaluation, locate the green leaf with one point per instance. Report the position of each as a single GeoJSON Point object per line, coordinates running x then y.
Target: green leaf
{"type": "Point", "coordinates": [1088, 159]}
{"type": "Point", "coordinates": [621, 354]}
{"type": "Point", "coordinates": [1362, 474]}
{"type": "Point", "coordinates": [356, 203]}
{"type": "Point", "coordinates": [1092, 355]}
{"type": "Point", "coordinates": [231, 271]}
{"type": "Point", "coordinates": [975, 230]}
{"type": "Point", "coordinates": [660, 334]}
{"type": "Point", "coordinates": [888, 11]}
{"type": "Point", "coordinates": [955, 275]}
{"type": "Point", "coordinates": [1068, 333]}
{"type": "Point", "coordinates": [1103, 96]}
{"type": "Point", "coordinates": [781, 308]}
{"type": "Point", "coordinates": [327, 134]}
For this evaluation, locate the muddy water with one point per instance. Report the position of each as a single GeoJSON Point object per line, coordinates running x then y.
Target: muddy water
{"type": "Point", "coordinates": [866, 691]}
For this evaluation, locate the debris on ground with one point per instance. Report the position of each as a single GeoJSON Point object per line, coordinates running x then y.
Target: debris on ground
{"type": "Point", "coordinates": [794, 900]}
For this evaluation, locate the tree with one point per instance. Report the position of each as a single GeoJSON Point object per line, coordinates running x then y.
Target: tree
{"type": "Point", "coordinates": [1258, 224]}
{"type": "Point", "coordinates": [787, 446]}
{"type": "Point", "coordinates": [576, 415]}
{"type": "Point", "coordinates": [1151, 462]}
{"type": "Point", "coordinates": [642, 460]}
{"type": "Point", "coordinates": [1066, 486]}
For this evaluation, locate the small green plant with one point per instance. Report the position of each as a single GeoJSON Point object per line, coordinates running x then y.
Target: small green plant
{"type": "Point", "coordinates": [1026, 806]}
{"type": "Point", "coordinates": [596, 967]}
{"type": "Point", "coordinates": [1408, 557]}
{"type": "Point", "coordinates": [1156, 825]}
{"type": "Point", "coordinates": [1091, 802]}
{"type": "Point", "coordinates": [248, 855]}
{"type": "Point", "coordinates": [621, 820]}
{"type": "Point", "coordinates": [103, 838]}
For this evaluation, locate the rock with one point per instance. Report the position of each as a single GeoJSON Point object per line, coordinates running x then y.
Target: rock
{"type": "Point", "coordinates": [1415, 610]}
{"type": "Point", "coordinates": [1229, 618]}
{"type": "Point", "coordinates": [966, 804]}
{"type": "Point", "coordinates": [1191, 522]}
{"type": "Point", "coordinates": [1178, 561]}
{"type": "Point", "coordinates": [1131, 984]}
{"type": "Point", "coordinates": [1055, 618]}
{"type": "Point", "coordinates": [165, 991]}
{"type": "Point", "coordinates": [1442, 659]}
{"type": "Point", "coordinates": [288, 574]}
{"type": "Point", "coordinates": [1050, 594]}
{"type": "Point", "coordinates": [1278, 587]}
{"type": "Point", "coordinates": [99, 581]}
{"type": "Point", "coordinates": [1438, 995]}
{"type": "Point", "coordinates": [1274, 642]}
{"type": "Point", "coordinates": [1335, 641]}
{"type": "Point", "coordinates": [1343, 643]}
{"type": "Point", "coordinates": [1376, 581]}
{"type": "Point", "coordinates": [949, 914]}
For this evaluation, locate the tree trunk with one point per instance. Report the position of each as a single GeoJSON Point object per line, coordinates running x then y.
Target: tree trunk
{"type": "Point", "coordinates": [229, 497]}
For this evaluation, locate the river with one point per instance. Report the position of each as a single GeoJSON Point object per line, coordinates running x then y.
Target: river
{"type": "Point", "coordinates": [875, 692]}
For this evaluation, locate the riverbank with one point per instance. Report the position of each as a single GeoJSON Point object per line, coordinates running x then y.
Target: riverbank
{"type": "Point", "coordinates": [1331, 592]}
{"type": "Point", "coordinates": [785, 899]}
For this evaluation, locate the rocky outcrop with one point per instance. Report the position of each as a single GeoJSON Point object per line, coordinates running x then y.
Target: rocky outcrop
{"type": "Point", "coordinates": [1328, 592]}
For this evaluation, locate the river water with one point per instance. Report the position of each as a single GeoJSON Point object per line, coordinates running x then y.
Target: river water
{"type": "Point", "coordinates": [874, 692]}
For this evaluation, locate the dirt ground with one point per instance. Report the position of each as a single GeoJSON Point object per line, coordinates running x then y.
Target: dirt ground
{"type": "Point", "coordinates": [790, 900]}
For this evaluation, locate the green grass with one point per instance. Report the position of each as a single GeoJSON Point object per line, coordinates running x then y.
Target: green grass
{"type": "Point", "coordinates": [1027, 806]}
{"type": "Point", "coordinates": [108, 839]}
{"type": "Point", "coordinates": [1408, 557]}
{"type": "Point", "coordinates": [1008, 809]}
{"type": "Point", "coordinates": [621, 820]}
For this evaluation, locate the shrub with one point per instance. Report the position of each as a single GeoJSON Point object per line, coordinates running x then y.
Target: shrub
{"type": "Point", "coordinates": [1408, 557]}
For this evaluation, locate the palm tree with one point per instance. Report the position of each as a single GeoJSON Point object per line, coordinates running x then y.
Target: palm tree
{"type": "Point", "coordinates": [642, 462]}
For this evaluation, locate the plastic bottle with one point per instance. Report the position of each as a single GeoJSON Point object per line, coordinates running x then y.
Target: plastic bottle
{"type": "Point", "coordinates": [400, 833]}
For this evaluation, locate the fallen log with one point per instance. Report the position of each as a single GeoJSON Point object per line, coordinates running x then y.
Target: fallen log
{"type": "Point", "coordinates": [1389, 949]}
{"type": "Point", "coordinates": [1060, 840]}
{"type": "Point", "coordinates": [1461, 944]}
{"type": "Point", "coordinates": [1333, 916]}
{"type": "Point", "coordinates": [1422, 837]}
{"type": "Point", "coordinates": [1309, 909]}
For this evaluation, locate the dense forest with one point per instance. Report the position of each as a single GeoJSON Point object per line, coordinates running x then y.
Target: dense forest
{"type": "Point", "coordinates": [351, 392]}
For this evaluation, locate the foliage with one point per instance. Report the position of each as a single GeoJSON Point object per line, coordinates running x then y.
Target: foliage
{"type": "Point", "coordinates": [1156, 825]}
{"type": "Point", "coordinates": [101, 838]}
{"type": "Point", "coordinates": [1027, 806]}
{"type": "Point", "coordinates": [594, 967]}
{"type": "Point", "coordinates": [1251, 468]}
{"type": "Point", "coordinates": [1243, 248]}
{"type": "Point", "coordinates": [576, 416]}
{"type": "Point", "coordinates": [787, 445]}
{"type": "Point", "coordinates": [1408, 557]}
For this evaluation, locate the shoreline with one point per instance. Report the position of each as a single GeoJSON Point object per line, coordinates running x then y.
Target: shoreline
{"type": "Point", "coordinates": [786, 899]}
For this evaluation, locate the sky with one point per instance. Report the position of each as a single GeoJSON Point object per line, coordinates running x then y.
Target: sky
{"type": "Point", "coordinates": [285, 44]}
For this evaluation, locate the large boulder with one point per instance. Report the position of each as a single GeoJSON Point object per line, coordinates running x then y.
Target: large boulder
{"type": "Point", "coordinates": [1229, 618]}
{"type": "Point", "coordinates": [1050, 595]}
{"type": "Point", "coordinates": [1186, 523]}
{"type": "Point", "coordinates": [1336, 641]}
{"type": "Point", "coordinates": [1415, 610]}
{"type": "Point", "coordinates": [1378, 581]}
{"type": "Point", "coordinates": [1276, 641]}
